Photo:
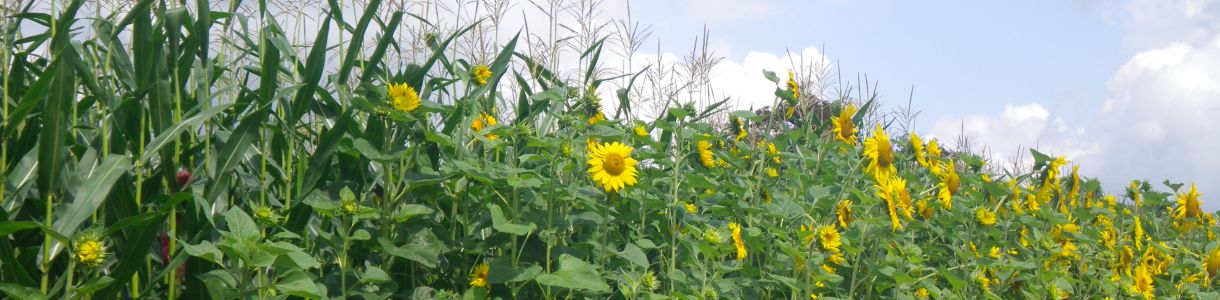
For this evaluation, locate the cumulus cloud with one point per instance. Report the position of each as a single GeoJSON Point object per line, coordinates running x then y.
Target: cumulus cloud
{"type": "Point", "coordinates": [1007, 135]}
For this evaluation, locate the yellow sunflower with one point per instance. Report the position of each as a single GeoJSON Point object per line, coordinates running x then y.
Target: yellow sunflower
{"type": "Point", "coordinates": [844, 129]}
{"type": "Point", "coordinates": [705, 154]}
{"type": "Point", "coordinates": [933, 148]}
{"type": "Point", "coordinates": [880, 155]}
{"type": "Point", "coordinates": [740, 127]}
{"type": "Point", "coordinates": [737, 241]}
{"type": "Point", "coordinates": [843, 213]}
{"type": "Point", "coordinates": [478, 276]}
{"type": "Point", "coordinates": [89, 248]}
{"type": "Point", "coordinates": [917, 148]}
{"type": "Point", "coordinates": [598, 117]}
{"type": "Point", "coordinates": [403, 97]}
{"type": "Point", "coordinates": [897, 199]}
{"type": "Point", "coordinates": [640, 130]}
{"type": "Point", "coordinates": [949, 184]}
{"type": "Point", "coordinates": [984, 216]}
{"type": "Point", "coordinates": [1212, 262]}
{"type": "Point", "coordinates": [829, 238]}
{"type": "Point", "coordinates": [611, 166]}
{"type": "Point", "coordinates": [484, 121]}
{"type": "Point", "coordinates": [792, 86]}
{"type": "Point", "coordinates": [690, 208]}
{"type": "Point", "coordinates": [481, 74]}
{"type": "Point", "coordinates": [1188, 204]}
{"type": "Point", "coordinates": [1142, 282]}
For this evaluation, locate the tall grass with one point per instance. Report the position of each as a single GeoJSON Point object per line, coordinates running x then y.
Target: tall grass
{"type": "Point", "coordinates": [160, 149]}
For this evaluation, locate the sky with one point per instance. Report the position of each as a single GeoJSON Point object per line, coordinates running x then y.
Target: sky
{"type": "Point", "coordinates": [1124, 89]}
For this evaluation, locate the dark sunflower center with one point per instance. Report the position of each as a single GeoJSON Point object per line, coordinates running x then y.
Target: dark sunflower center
{"type": "Point", "coordinates": [614, 164]}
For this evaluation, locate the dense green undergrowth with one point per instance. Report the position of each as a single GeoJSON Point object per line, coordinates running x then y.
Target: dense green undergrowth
{"type": "Point", "coordinates": [141, 162]}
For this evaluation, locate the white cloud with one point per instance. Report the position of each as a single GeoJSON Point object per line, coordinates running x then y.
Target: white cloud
{"type": "Point", "coordinates": [744, 80]}
{"type": "Point", "coordinates": [1016, 128]}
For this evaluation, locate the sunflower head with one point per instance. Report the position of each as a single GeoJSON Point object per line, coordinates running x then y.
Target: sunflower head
{"type": "Point", "coordinates": [843, 213]}
{"type": "Point", "coordinates": [690, 208]}
{"type": "Point", "coordinates": [829, 239]}
{"type": "Point", "coordinates": [403, 97]}
{"type": "Point", "coordinates": [985, 216]}
{"type": "Point", "coordinates": [1188, 204]}
{"type": "Point", "coordinates": [880, 154]}
{"type": "Point", "coordinates": [481, 74]}
{"type": "Point", "coordinates": [738, 243]}
{"type": "Point", "coordinates": [478, 275]}
{"type": "Point", "coordinates": [792, 86]}
{"type": "Point", "coordinates": [917, 149]}
{"type": "Point", "coordinates": [484, 120]}
{"type": "Point", "coordinates": [266, 214]}
{"type": "Point", "coordinates": [640, 130]}
{"type": "Point", "coordinates": [611, 166]}
{"type": "Point", "coordinates": [844, 130]}
{"type": "Point", "coordinates": [705, 154]}
{"type": "Point", "coordinates": [89, 248]}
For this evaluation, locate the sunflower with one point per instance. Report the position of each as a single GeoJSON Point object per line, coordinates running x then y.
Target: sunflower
{"type": "Point", "coordinates": [984, 216]}
{"type": "Point", "coordinates": [1142, 282]}
{"type": "Point", "coordinates": [737, 241]}
{"type": "Point", "coordinates": [705, 154]}
{"type": "Point", "coordinates": [829, 238]}
{"type": "Point", "coordinates": [933, 148]}
{"type": "Point", "coordinates": [690, 208]}
{"type": "Point", "coordinates": [921, 293]}
{"type": "Point", "coordinates": [844, 129]}
{"type": "Point", "coordinates": [478, 276]}
{"type": "Point", "coordinates": [792, 86]}
{"type": "Point", "coordinates": [949, 184]}
{"type": "Point", "coordinates": [1212, 262]}
{"type": "Point", "coordinates": [917, 148]}
{"type": "Point", "coordinates": [772, 172]}
{"type": "Point", "coordinates": [403, 97]}
{"type": "Point", "coordinates": [611, 166]}
{"type": "Point", "coordinates": [772, 152]}
{"type": "Point", "coordinates": [640, 130]}
{"type": "Point", "coordinates": [484, 121]}
{"type": "Point", "coordinates": [740, 127]}
{"type": "Point", "coordinates": [1188, 205]}
{"type": "Point", "coordinates": [1134, 191]}
{"type": "Point", "coordinates": [880, 155]}
{"type": "Point", "coordinates": [897, 199]}
{"type": "Point", "coordinates": [843, 213]}
{"type": "Point", "coordinates": [1139, 234]}
{"type": "Point", "coordinates": [89, 248]}
{"type": "Point", "coordinates": [481, 74]}
{"type": "Point", "coordinates": [598, 117]}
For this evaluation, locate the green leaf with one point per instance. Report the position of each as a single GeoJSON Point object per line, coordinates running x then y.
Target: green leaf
{"type": "Point", "coordinates": [241, 227]}
{"type": "Point", "coordinates": [374, 274]}
{"type": "Point", "coordinates": [94, 285]}
{"type": "Point", "coordinates": [89, 196]}
{"type": "Point", "coordinates": [575, 274]}
{"type": "Point", "coordinates": [771, 76]}
{"type": "Point", "coordinates": [298, 283]}
{"type": "Point", "coordinates": [410, 211]}
{"type": "Point", "coordinates": [20, 292]}
{"type": "Point", "coordinates": [53, 138]}
{"type": "Point", "coordinates": [220, 284]}
{"type": "Point", "coordinates": [635, 255]}
{"type": "Point", "coordinates": [9, 227]}
{"type": "Point", "coordinates": [503, 225]}
{"type": "Point", "coordinates": [502, 271]}
{"type": "Point", "coordinates": [423, 247]}
{"type": "Point", "coordinates": [173, 132]}
{"type": "Point", "coordinates": [205, 250]}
